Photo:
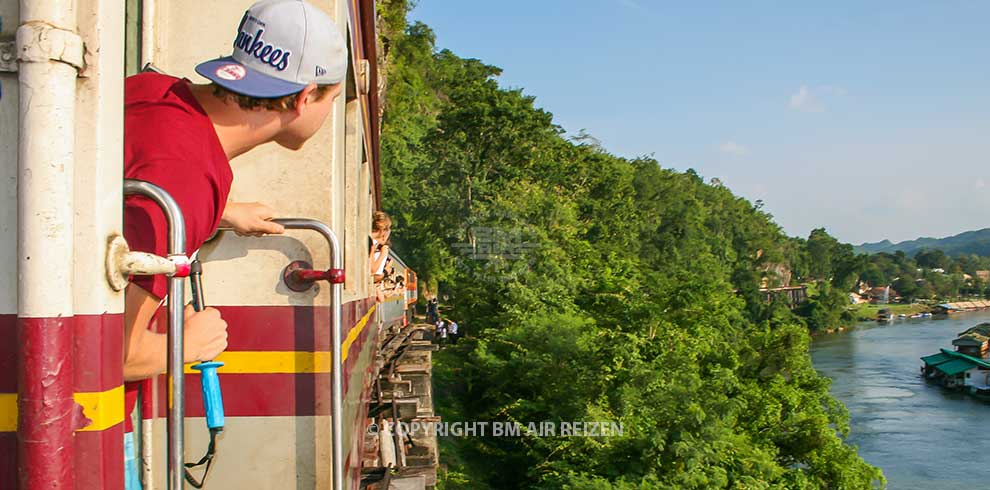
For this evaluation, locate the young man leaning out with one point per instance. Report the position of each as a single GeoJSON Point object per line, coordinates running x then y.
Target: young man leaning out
{"type": "Point", "coordinates": [278, 85]}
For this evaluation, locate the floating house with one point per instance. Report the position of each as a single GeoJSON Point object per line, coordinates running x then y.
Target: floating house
{"type": "Point", "coordinates": [954, 370]}
{"type": "Point", "coordinates": [968, 367]}
{"type": "Point", "coordinates": [960, 306]}
{"type": "Point", "coordinates": [975, 341]}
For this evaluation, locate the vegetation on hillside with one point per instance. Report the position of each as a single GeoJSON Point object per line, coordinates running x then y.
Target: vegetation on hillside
{"type": "Point", "coordinates": [929, 275]}
{"type": "Point", "coordinates": [599, 288]}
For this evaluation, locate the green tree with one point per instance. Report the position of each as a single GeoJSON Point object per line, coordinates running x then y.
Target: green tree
{"type": "Point", "coordinates": [932, 259]}
{"type": "Point", "coordinates": [600, 288]}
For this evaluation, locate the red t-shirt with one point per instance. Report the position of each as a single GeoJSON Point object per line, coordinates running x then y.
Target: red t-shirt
{"type": "Point", "coordinates": [169, 141]}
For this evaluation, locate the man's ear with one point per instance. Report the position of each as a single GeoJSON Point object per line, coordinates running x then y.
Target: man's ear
{"type": "Point", "coordinates": [303, 98]}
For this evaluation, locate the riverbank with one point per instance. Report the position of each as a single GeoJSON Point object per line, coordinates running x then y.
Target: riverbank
{"type": "Point", "coordinates": [915, 431]}
{"type": "Point", "coordinates": [866, 312]}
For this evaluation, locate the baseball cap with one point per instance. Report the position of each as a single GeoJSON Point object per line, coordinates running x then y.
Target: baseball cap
{"type": "Point", "coordinates": [281, 46]}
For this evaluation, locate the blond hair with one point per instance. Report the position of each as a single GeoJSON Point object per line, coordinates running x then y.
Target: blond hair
{"type": "Point", "coordinates": [380, 221]}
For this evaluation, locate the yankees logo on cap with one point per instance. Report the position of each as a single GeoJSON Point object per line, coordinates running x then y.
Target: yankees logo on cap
{"type": "Point", "coordinates": [280, 47]}
{"type": "Point", "coordinates": [231, 72]}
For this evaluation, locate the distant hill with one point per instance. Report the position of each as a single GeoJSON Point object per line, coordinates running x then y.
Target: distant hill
{"type": "Point", "coordinates": [970, 242]}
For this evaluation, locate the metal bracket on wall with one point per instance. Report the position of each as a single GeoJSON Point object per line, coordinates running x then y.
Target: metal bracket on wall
{"type": "Point", "coordinates": [8, 56]}
{"type": "Point", "coordinates": [364, 76]}
{"type": "Point", "coordinates": [38, 42]}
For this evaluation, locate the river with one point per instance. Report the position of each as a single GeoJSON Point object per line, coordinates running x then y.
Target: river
{"type": "Point", "coordinates": [923, 437]}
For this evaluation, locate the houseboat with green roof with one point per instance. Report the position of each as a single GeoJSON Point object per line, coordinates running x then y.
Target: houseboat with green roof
{"type": "Point", "coordinates": [965, 369]}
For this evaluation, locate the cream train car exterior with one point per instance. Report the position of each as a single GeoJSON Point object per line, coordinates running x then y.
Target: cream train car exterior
{"type": "Point", "coordinates": [62, 65]}
{"type": "Point", "coordinates": [399, 306]}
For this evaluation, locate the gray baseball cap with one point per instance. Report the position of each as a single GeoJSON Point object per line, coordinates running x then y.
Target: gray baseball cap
{"type": "Point", "coordinates": [281, 46]}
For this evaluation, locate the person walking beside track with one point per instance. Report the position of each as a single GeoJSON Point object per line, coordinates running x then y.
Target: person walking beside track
{"type": "Point", "coordinates": [441, 332]}
{"type": "Point", "coordinates": [432, 313]}
{"type": "Point", "coordinates": [453, 327]}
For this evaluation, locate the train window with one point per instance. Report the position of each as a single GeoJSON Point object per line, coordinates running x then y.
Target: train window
{"type": "Point", "coordinates": [354, 242]}
{"type": "Point", "coordinates": [132, 37]}
{"type": "Point", "coordinates": [350, 92]}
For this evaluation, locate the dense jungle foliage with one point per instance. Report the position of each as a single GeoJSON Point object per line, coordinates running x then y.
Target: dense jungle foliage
{"type": "Point", "coordinates": [929, 275]}
{"type": "Point", "coordinates": [599, 288]}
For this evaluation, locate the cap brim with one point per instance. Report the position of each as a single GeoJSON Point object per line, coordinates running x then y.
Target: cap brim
{"type": "Point", "coordinates": [253, 84]}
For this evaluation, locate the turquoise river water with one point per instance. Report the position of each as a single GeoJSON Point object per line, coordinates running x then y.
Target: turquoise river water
{"type": "Point", "coordinates": [922, 436]}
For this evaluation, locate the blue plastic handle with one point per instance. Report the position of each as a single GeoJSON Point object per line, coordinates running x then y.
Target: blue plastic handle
{"type": "Point", "coordinates": [212, 399]}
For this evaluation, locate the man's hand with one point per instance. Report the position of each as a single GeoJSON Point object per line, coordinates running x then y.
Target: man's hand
{"type": "Point", "coordinates": [250, 219]}
{"type": "Point", "coordinates": [205, 334]}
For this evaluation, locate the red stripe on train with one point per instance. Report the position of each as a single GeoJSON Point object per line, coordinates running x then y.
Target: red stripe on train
{"type": "Point", "coordinates": [265, 395]}
{"type": "Point", "coordinates": [62, 356]}
{"type": "Point", "coordinates": [8, 459]}
{"type": "Point", "coordinates": [355, 455]}
{"type": "Point", "coordinates": [354, 352]}
{"type": "Point", "coordinates": [287, 328]}
{"type": "Point", "coordinates": [98, 343]}
{"type": "Point", "coordinates": [47, 412]}
{"type": "Point", "coordinates": [278, 328]}
{"type": "Point", "coordinates": [8, 355]}
{"type": "Point", "coordinates": [99, 352]}
{"type": "Point", "coordinates": [268, 328]}
{"type": "Point", "coordinates": [100, 460]}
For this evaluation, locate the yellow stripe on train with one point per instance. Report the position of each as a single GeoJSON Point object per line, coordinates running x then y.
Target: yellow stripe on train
{"type": "Point", "coordinates": [353, 334]}
{"type": "Point", "coordinates": [104, 409]}
{"type": "Point", "coordinates": [270, 362]}
{"type": "Point", "coordinates": [285, 362]}
{"type": "Point", "coordinates": [8, 412]}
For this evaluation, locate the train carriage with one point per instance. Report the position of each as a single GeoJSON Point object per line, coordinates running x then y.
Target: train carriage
{"type": "Point", "coordinates": [412, 293]}
{"type": "Point", "coordinates": [399, 301]}
{"type": "Point", "coordinates": [61, 194]}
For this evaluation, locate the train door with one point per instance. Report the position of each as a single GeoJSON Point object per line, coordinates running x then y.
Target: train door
{"type": "Point", "coordinates": [276, 378]}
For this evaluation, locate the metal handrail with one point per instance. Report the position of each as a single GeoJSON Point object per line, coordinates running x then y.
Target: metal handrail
{"type": "Point", "coordinates": [336, 277]}
{"type": "Point", "coordinates": [336, 372]}
{"type": "Point", "coordinates": [176, 294]}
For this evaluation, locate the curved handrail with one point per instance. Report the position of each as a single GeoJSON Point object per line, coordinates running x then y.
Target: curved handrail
{"type": "Point", "coordinates": [336, 277]}
{"type": "Point", "coordinates": [176, 294]}
{"type": "Point", "coordinates": [336, 372]}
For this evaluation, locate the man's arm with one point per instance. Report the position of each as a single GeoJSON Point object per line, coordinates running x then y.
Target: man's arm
{"type": "Point", "coordinates": [146, 352]}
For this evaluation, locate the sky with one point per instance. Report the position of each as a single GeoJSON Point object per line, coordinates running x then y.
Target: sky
{"type": "Point", "coordinates": [871, 119]}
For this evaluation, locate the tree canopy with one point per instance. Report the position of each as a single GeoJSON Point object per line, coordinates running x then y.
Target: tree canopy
{"type": "Point", "coordinates": [601, 288]}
